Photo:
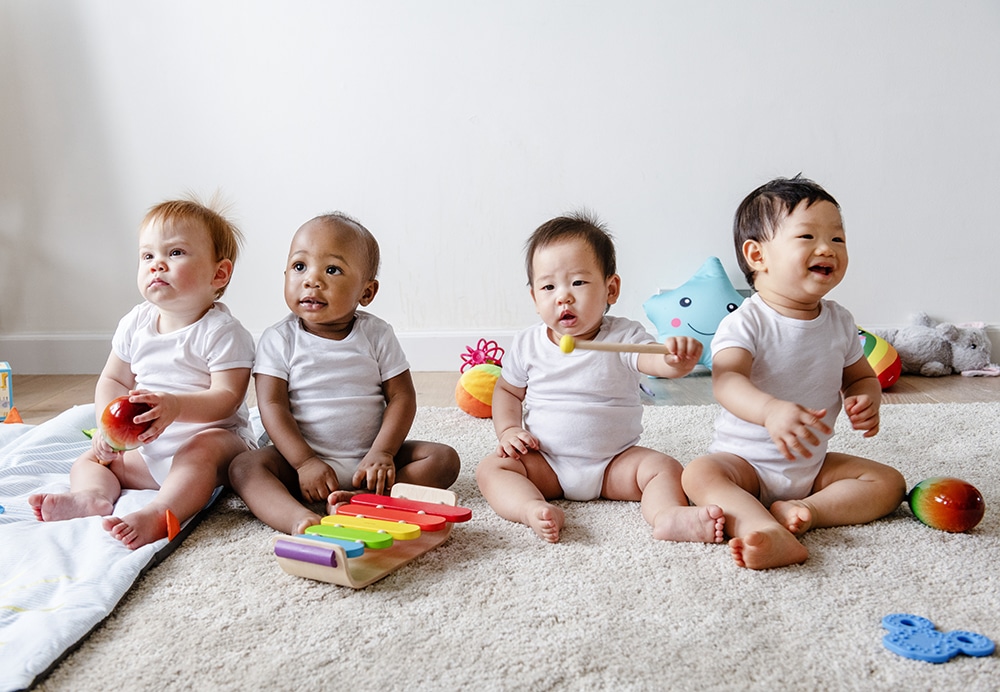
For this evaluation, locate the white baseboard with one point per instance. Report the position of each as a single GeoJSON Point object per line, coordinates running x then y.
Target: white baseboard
{"type": "Point", "coordinates": [56, 354]}
{"type": "Point", "coordinates": [85, 354]}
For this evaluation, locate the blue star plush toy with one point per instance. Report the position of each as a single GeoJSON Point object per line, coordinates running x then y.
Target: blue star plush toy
{"type": "Point", "coordinates": [696, 308]}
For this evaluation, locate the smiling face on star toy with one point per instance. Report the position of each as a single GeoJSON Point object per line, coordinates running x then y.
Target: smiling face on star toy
{"type": "Point", "coordinates": [695, 308]}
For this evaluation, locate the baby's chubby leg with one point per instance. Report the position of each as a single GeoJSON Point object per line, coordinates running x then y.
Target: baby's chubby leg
{"type": "Point", "coordinates": [199, 466]}
{"type": "Point", "coordinates": [759, 540]}
{"type": "Point", "coordinates": [848, 490]}
{"type": "Point", "coordinates": [654, 479]}
{"type": "Point", "coordinates": [94, 489]}
{"type": "Point", "coordinates": [427, 463]}
{"type": "Point", "coordinates": [518, 490]}
{"type": "Point", "coordinates": [263, 479]}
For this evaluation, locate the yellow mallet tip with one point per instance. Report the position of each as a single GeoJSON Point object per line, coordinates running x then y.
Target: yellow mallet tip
{"type": "Point", "coordinates": [567, 344]}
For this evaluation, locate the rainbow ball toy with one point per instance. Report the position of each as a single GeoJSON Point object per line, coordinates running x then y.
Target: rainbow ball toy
{"type": "Point", "coordinates": [474, 392]}
{"type": "Point", "coordinates": [883, 358]}
{"type": "Point", "coordinates": [948, 504]}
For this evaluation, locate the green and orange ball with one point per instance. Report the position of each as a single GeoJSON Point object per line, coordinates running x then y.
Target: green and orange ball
{"type": "Point", "coordinates": [474, 392]}
{"type": "Point", "coordinates": [948, 504]}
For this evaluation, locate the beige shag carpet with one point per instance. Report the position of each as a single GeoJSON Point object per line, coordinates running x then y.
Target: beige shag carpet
{"type": "Point", "coordinates": [607, 608]}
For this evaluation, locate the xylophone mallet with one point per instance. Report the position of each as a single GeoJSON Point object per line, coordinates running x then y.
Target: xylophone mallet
{"type": "Point", "coordinates": [568, 344]}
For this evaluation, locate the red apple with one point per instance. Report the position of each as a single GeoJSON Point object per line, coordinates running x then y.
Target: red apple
{"type": "Point", "coordinates": [118, 424]}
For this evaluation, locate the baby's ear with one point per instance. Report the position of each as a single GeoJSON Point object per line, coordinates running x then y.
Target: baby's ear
{"type": "Point", "coordinates": [614, 289]}
{"type": "Point", "coordinates": [223, 273]}
{"type": "Point", "coordinates": [753, 252]}
{"type": "Point", "coordinates": [368, 295]}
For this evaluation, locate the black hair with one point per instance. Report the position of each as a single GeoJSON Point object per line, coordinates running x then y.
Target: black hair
{"type": "Point", "coordinates": [583, 225]}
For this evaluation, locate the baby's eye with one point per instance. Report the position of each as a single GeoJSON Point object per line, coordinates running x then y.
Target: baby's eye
{"type": "Point", "coordinates": [146, 256]}
{"type": "Point", "coordinates": [332, 270]}
{"type": "Point", "coordinates": [806, 236]}
{"type": "Point", "coordinates": [298, 266]}
{"type": "Point", "coordinates": [838, 239]}
{"type": "Point", "coordinates": [546, 287]}
{"type": "Point", "coordinates": [579, 282]}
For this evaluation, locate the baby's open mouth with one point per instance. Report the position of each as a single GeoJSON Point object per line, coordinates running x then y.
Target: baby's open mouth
{"type": "Point", "coordinates": [823, 269]}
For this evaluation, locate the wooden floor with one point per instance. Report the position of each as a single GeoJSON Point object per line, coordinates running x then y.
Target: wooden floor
{"type": "Point", "coordinates": [40, 397]}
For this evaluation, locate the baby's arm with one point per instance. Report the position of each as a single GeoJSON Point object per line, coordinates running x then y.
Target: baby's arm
{"type": "Point", "coordinates": [507, 421]}
{"type": "Point", "coordinates": [862, 397]}
{"type": "Point", "coordinates": [226, 391]}
{"type": "Point", "coordinates": [116, 380]}
{"type": "Point", "coordinates": [316, 479]}
{"type": "Point", "coordinates": [377, 471]}
{"type": "Point", "coordinates": [789, 424]}
{"type": "Point", "coordinates": [684, 354]}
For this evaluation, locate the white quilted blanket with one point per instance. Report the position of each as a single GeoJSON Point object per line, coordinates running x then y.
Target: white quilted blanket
{"type": "Point", "coordinates": [58, 580]}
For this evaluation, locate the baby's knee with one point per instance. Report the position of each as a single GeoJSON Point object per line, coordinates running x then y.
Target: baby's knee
{"type": "Point", "coordinates": [494, 465]}
{"type": "Point", "coordinates": [448, 463]}
{"type": "Point", "coordinates": [659, 465]}
{"type": "Point", "coordinates": [697, 472]}
{"type": "Point", "coordinates": [894, 481]}
{"type": "Point", "coordinates": [244, 464]}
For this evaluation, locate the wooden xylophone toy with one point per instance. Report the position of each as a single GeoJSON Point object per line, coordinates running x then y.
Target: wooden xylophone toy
{"type": "Point", "coordinates": [372, 535]}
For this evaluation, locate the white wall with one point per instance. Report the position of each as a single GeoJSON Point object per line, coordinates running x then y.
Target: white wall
{"type": "Point", "coordinates": [452, 129]}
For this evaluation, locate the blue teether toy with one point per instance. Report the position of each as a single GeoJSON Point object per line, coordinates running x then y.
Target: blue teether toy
{"type": "Point", "coordinates": [915, 637]}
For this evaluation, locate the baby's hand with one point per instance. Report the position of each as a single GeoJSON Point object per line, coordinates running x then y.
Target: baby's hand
{"type": "Point", "coordinates": [163, 410]}
{"type": "Point", "coordinates": [103, 451]}
{"type": "Point", "coordinates": [793, 427]}
{"type": "Point", "coordinates": [684, 350]}
{"type": "Point", "coordinates": [377, 471]}
{"type": "Point", "coordinates": [863, 414]}
{"type": "Point", "coordinates": [316, 480]}
{"type": "Point", "coordinates": [514, 442]}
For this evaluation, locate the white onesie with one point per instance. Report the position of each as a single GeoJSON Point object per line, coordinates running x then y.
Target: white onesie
{"type": "Point", "coordinates": [334, 387]}
{"type": "Point", "coordinates": [795, 360]}
{"type": "Point", "coordinates": [183, 361]}
{"type": "Point", "coordinates": [583, 407]}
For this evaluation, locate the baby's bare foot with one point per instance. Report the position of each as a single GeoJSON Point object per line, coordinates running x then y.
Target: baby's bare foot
{"type": "Point", "coordinates": [60, 506]}
{"type": "Point", "coordinates": [545, 520]}
{"type": "Point", "coordinates": [304, 522]}
{"type": "Point", "coordinates": [768, 548]}
{"type": "Point", "coordinates": [135, 530]}
{"type": "Point", "coordinates": [793, 515]}
{"type": "Point", "coordinates": [696, 524]}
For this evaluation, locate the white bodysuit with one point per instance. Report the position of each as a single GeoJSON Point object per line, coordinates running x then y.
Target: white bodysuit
{"type": "Point", "coordinates": [334, 387]}
{"type": "Point", "coordinates": [583, 407]}
{"type": "Point", "coordinates": [795, 360]}
{"type": "Point", "coordinates": [183, 361]}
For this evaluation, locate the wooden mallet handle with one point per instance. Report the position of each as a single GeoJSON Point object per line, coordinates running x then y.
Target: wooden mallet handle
{"type": "Point", "coordinates": [568, 344]}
